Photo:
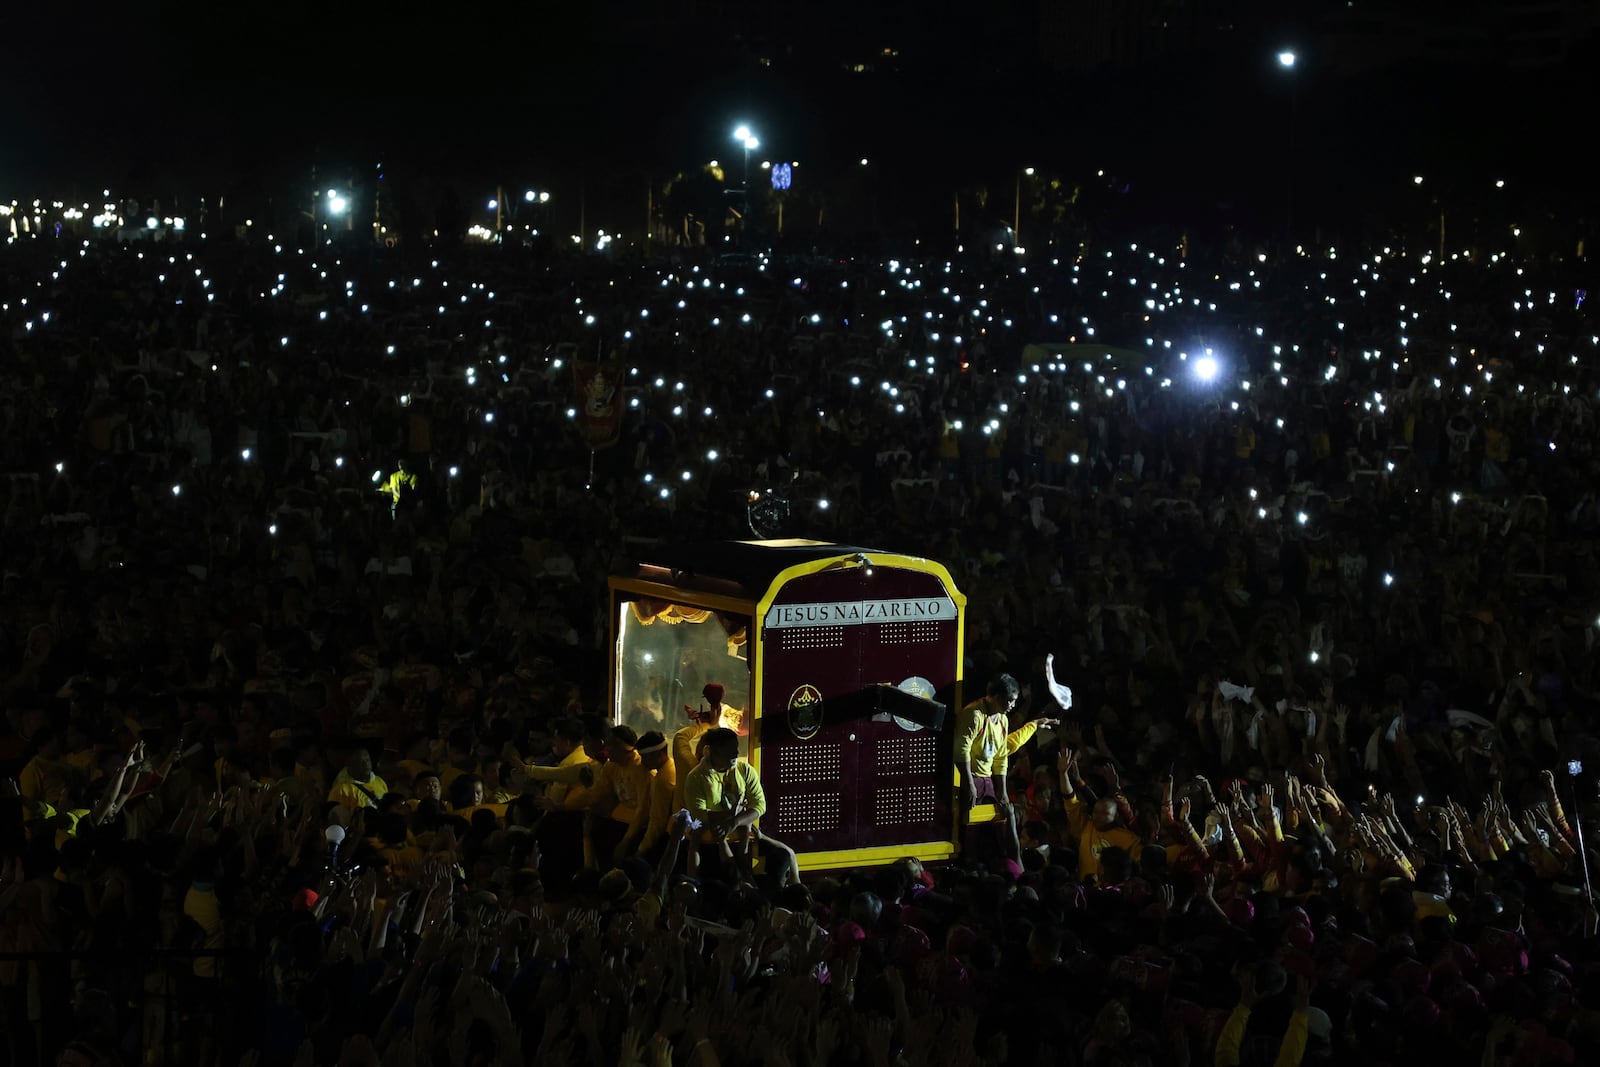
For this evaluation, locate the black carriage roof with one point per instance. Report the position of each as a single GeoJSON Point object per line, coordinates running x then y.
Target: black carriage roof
{"type": "Point", "coordinates": [735, 568]}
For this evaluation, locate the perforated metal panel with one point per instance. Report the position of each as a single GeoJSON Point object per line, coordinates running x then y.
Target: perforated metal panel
{"type": "Point", "coordinates": [922, 632]}
{"type": "Point", "coordinates": [805, 638]}
{"type": "Point", "coordinates": [902, 805]}
{"type": "Point", "coordinates": [912, 754]}
{"type": "Point", "coordinates": [808, 813]}
{"type": "Point", "coordinates": [889, 806]}
{"type": "Point", "coordinates": [803, 764]}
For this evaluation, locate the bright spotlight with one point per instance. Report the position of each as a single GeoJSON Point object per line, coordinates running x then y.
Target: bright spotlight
{"type": "Point", "coordinates": [337, 205]}
{"type": "Point", "coordinates": [1286, 59]}
{"type": "Point", "coordinates": [1205, 368]}
{"type": "Point", "coordinates": [742, 133]}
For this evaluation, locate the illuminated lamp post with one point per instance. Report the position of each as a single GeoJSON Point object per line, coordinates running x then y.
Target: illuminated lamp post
{"type": "Point", "coordinates": [1286, 62]}
{"type": "Point", "coordinates": [750, 142]}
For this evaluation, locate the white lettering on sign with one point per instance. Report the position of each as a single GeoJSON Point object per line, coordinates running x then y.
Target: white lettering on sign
{"type": "Point", "coordinates": [860, 612]}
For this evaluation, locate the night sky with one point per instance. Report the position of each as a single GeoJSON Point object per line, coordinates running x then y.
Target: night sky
{"type": "Point", "coordinates": [188, 95]}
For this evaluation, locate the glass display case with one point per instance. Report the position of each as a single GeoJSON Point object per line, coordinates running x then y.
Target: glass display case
{"type": "Point", "coordinates": [666, 655]}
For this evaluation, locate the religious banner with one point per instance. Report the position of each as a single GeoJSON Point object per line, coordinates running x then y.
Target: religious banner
{"type": "Point", "coordinates": [599, 389]}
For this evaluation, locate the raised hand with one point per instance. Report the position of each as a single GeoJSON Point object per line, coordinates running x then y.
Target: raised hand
{"type": "Point", "coordinates": [878, 1032]}
{"type": "Point", "coordinates": [632, 1050]}
{"type": "Point", "coordinates": [400, 1054]}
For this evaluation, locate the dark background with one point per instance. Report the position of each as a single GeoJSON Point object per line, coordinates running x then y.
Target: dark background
{"type": "Point", "coordinates": [1180, 101]}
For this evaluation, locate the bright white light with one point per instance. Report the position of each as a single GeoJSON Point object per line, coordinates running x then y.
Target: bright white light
{"type": "Point", "coordinates": [494, 204]}
{"type": "Point", "coordinates": [338, 461]}
{"type": "Point", "coordinates": [1302, 518]}
{"type": "Point", "coordinates": [244, 454]}
{"type": "Point", "coordinates": [529, 197]}
{"type": "Point", "coordinates": [712, 455]}
{"type": "Point", "coordinates": [740, 134]}
{"type": "Point", "coordinates": [152, 222]}
{"type": "Point", "coordinates": [337, 205]}
{"type": "Point", "coordinates": [1286, 59]}
{"type": "Point", "coordinates": [1205, 368]}
{"type": "Point", "coordinates": [60, 467]}
{"type": "Point", "coordinates": [488, 416]}
{"type": "Point", "coordinates": [177, 490]}
{"type": "Point", "coordinates": [377, 476]}
{"type": "Point", "coordinates": [454, 471]}
{"type": "Point", "coordinates": [273, 529]}
{"type": "Point", "coordinates": [1388, 579]}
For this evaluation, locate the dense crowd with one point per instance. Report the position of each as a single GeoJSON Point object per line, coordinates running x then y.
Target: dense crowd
{"type": "Point", "coordinates": [302, 645]}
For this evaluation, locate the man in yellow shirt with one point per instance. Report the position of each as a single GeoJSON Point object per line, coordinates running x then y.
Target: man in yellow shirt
{"type": "Point", "coordinates": [649, 827]}
{"type": "Point", "coordinates": [1096, 828]}
{"type": "Point", "coordinates": [357, 786]}
{"type": "Point", "coordinates": [620, 790]}
{"type": "Point", "coordinates": [724, 795]}
{"type": "Point", "coordinates": [566, 741]}
{"type": "Point", "coordinates": [982, 756]}
{"type": "Point", "coordinates": [401, 487]}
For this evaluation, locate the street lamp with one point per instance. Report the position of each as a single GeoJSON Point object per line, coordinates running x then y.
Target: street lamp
{"type": "Point", "coordinates": [1016, 209]}
{"type": "Point", "coordinates": [1286, 62]}
{"type": "Point", "coordinates": [750, 143]}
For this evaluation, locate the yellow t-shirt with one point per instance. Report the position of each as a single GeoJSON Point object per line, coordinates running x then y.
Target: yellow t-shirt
{"type": "Point", "coordinates": [982, 739]}
{"type": "Point", "coordinates": [562, 776]}
{"type": "Point", "coordinates": [623, 784]}
{"type": "Point", "coordinates": [200, 904]}
{"type": "Point", "coordinates": [684, 756]}
{"type": "Point", "coordinates": [354, 795]}
{"type": "Point", "coordinates": [658, 808]}
{"type": "Point", "coordinates": [46, 780]}
{"type": "Point", "coordinates": [1092, 840]}
{"type": "Point", "coordinates": [712, 792]}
